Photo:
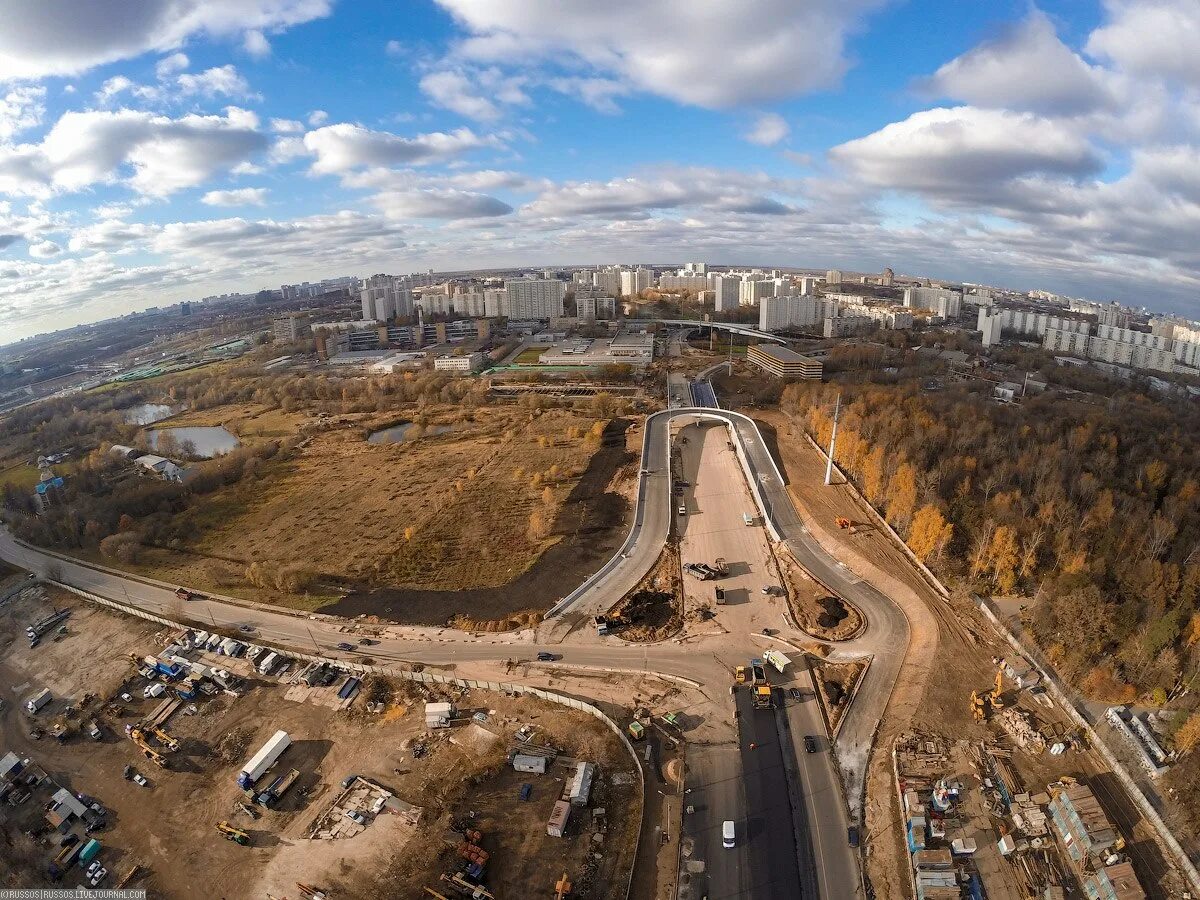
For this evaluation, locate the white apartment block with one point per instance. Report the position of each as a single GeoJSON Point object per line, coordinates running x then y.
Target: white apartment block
{"type": "Point", "coordinates": [780, 313]}
{"type": "Point", "coordinates": [477, 304]}
{"type": "Point", "coordinates": [726, 292]}
{"type": "Point", "coordinates": [994, 319]}
{"type": "Point", "coordinates": [834, 276]}
{"type": "Point", "coordinates": [683, 282]}
{"type": "Point", "coordinates": [634, 281]}
{"type": "Point", "coordinates": [751, 292]}
{"type": "Point", "coordinates": [385, 297]}
{"type": "Point", "coordinates": [535, 298]}
{"type": "Point", "coordinates": [1057, 340]}
{"type": "Point", "coordinates": [843, 325]}
{"type": "Point", "coordinates": [695, 268]}
{"type": "Point", "coordinates": [885, 316]}
{"type": "Point", "coordinates": [1122, 347]}
{"type": "Point", "coordinates": [808, 283]}
{"type": "Point", "coordinates": [929, 297]}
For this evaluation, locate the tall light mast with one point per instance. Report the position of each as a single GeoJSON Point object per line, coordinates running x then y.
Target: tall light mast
{"type": "Point", "coordinates": [837, 408]}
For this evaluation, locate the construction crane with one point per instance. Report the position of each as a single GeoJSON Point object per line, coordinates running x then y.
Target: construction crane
{"type": "Point", "coordinates": [139, 738]}
{"type": "Point", "coordinates": [562, 888]}
{"type": "Point", "coordinates": [230, 833]}
{"type": "Point", "coordinates": [984, 704]}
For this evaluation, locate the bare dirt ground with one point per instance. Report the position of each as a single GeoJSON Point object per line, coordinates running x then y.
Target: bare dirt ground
{"type": "Point", "coordinates": [821, 614]}
{"type": "Point", "coordinates": [162, 826]}
{"type": "Point", "coordinates": [836, 681]}
{"type": "Point", "coordinates": [655, 607]}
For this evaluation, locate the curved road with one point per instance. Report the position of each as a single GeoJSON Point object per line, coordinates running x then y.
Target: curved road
{"type": "Point", "coordinates": [823, 812]}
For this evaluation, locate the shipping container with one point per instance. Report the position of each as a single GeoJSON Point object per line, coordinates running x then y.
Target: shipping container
{"type": "Point", "coordinates": [559, 816]}
{"type": "Point", "coordinates": [38, 701]}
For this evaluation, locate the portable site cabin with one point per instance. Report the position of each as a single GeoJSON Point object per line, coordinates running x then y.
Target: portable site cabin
{"type": "Point", "coordinates": [559, 816]}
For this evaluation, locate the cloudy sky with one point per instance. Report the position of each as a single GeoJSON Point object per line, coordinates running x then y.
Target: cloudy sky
{"type": "Point", "coordinates": [169, 149]}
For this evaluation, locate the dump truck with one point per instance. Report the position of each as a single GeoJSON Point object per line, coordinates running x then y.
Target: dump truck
{"type": "Point", "coordinates": [719, 592]}
{"type": "Point", "coordinates": [636, 730]}
{"type": "Point", "coordinates": [777, 659]}
{"type": "Point", "coordinates": [277, 788]}
{"type": "Point", "coordinates": [184, 594]}
{"type": "Point", "coordinates": [763, 696]}
{"type": "Point", "coordinates": [758, 671]}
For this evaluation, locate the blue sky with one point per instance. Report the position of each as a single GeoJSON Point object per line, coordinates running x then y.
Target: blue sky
{"type": "Point", "coordinates": [171, 149]}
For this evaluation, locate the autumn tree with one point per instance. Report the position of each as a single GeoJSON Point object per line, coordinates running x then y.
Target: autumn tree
{"type": "Point", "coordinates": [1187, 738]}
{"type": "Point", "coordinates": [1003, 557]}
{"type": "Point", "coordinates": [930, 533]}
{"type": "Point", "coordinates": [902, 495]}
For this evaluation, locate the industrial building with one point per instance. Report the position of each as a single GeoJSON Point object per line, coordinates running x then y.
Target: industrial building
{"type": "Point", "coordinates": [783, 362]}
{"type": "Point", "coordinates": [634, 349]}
{"type": "Point", "coordinates": [464, 364]}
{"type": "Point", "coordinates": [1089, 841]}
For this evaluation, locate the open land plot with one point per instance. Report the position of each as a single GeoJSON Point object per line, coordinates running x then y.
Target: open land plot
{"type": "Point", "coordinates": [468, 509]}
{"type": "Point", "coordinates": [530, 356]}
{"type": "Point", "coordinates": [435, 779]}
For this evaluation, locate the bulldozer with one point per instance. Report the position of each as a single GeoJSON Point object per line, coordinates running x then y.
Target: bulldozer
{"type": "Point", "coordinates": [231, 833]}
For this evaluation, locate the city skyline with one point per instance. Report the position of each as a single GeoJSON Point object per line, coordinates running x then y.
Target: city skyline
{"type": "Point", "coordinates": [177, 149]}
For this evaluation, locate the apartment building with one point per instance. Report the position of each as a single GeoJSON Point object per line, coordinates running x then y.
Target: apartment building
{"type": "Point", "coordinates": [535, 298]}
{"type": "Point", "coordinates": [783, 362]}
{"type": "Point", "coordinates": [750, 293]}
{"type": "Point", "coordinates": [726, 292]}
{"type": "Point", "coordinates": [386, 297]}
{"type": "Point", "coordinates": [634, 281]}
{"type": "Point", "coordinates": [595, 309]}
{"type": "Point", "coordinates": [883, 316]}
{"type": "Point", "coordinates": [289, 329]}
{"type": "Point", "coordinates": [993, 320]}
{"type": "Point", "coordinates": [780, 313]}
{"type": "Point", "coordinates": [943, 301]}
{"type": "Point", "coordinates": [845, 324]}
{"type": "Point", "coordinates": [683, 282]}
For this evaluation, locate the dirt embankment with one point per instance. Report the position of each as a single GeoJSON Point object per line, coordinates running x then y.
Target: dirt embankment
{"type": "Point", "coordinates": [654, 609]}
{"type": "Point", "coordinates": [821, 614]}
{"type": "Point", "coordinates": [591, 525]}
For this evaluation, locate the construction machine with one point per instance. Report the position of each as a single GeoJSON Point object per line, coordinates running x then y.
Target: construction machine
{"type": "Point", "coordinates": [739, 675]}
{"type": "Point", "coordinates": [763, 696]}
{"type": "Point", "coordinates": [562, 888]}
{"type": "Point", "coordinates": [996, 697]}
{"type": "Point", "coordinates": [984, 704]}
{"type": "Point", "coordinates": [842, 522]}
{"type": "Point", "coordinates": [165, 739]}
{"type": "Point", "coordinates": [230, 833]}
{"type": "Point", "coordinates": [139, 738]}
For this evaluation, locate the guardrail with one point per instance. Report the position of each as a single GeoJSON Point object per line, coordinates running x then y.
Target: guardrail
{"type": "Point", "coordinates": [424, 678]}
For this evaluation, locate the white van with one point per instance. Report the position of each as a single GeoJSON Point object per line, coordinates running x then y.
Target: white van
{"type": "Point", "coordinates": [727, 833]}
{"type": "Point", "coordinates": [153, 690]}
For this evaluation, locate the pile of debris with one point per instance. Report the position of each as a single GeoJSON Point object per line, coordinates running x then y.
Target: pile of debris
{"type": "Point", "coordinates": [1019, 725]}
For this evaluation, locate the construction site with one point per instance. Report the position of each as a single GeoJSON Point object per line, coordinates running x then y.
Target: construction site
{"type": "Point", "coordinates": [130, 746]}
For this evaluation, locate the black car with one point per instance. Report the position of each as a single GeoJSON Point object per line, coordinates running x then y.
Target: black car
{"type": "Point", "coordinates": [367, 642]}
{"type": "Point", "coordinates": [796, 694]}
{"type": "Point", "coordinates": [810, 744]}
{"type": "Point", "coordinates": [546, 657]}
{"type": "Point", "coordinates": [344, 646]}
{"type": "Point", "coordinates": [852, 835]}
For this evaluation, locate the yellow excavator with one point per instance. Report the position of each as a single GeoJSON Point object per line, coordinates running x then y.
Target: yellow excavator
{"type": "Point", "coordinates": [139, 738]}
{"type": "Point", "coordinates": [983, 705]}
{"type": "Point", "coordinates": [230, 833]}
{"type": "Point", "coordinates": [165, 739]}
{"type": "Point", "coordinates": [562, 889]}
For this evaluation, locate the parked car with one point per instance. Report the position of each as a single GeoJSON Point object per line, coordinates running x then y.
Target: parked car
{"type": "Point", "coordinates": [796, 694]}
{"type": "Point", "coordinates": [852, 835]}
{"type": "Point", "coordinates": [248, 629]}
{"type": "Point", "coordinates": [98, 877]}
{"type": "Point", "coordinates": [526, 790]}
{"type": "Point", "coordinates": [546, 657]}
{"type": "Point", "coordinates": [367, 642]}
{"type": "Point", "coordinates": [140, 779]}
{"type": "Point", "coordinates": [345, 646]}
{"type": "Point", "coordinates": [355, 816]}
{"type": "Point", "coordinates": [810, 744]}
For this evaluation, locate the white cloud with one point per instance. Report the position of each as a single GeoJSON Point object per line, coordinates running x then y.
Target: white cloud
{"type": "Point", "coordinates": [598, 93]}
{"type": "Point", "coordinates": [236, 197]}
{"type": "Point", "coordinates": [966, 154]}
{"type": "Point", "coordinates": [113, 87]}
{"type": "Point", "coordinates": [285, 149]}
{"type": "Point", "coordinates": [217, 81]}
{"type": "Point", "coordinates": [432, 203]}
{"type": "Point", "coordinates": [317, 118]}
{"type": "Point", "coordinates": [707, 54]}
{"type": "Point", "coordinates": [393, 48]}
{"type": "Point", "coordinates": [169, 65]}
{"type": "Point", "coordinates": [165, 155]}
{"type": "Point", "coordinates": [1151, 37]}
{"type": "Point", "coordinates": [769, 130]}
{"type": "Point", "coordinates": [478, 94]}
{"type": "Point", "coordinates": [256, 44]}
{"type": "Point", "coordinates": [286, 126]}
{"type": "Point", "coordinates": [63, 37]}
{"type": "Point", "coordinates": [1028, 68]}
{"type": "Point", "coordinates": [44, 249]}
{"type": "Point", "coordinates": [343, 147]}
{"type": "Point", "coordinates": [21, 107]}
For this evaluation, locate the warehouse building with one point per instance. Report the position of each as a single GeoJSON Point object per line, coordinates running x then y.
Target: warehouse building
{"type": "Point", "coordinates": [784, 363]}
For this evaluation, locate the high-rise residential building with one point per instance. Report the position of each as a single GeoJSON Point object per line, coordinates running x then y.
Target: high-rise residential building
{"type": "Point", "coordinates": [1115, 315]}
{"type": "Point", "coordinates": [535, 298]}
{"type": "Point", "coordinates": [608, 281]}
{"type": "Point", "coordinates": [930, 297]}
{"type": "Point", "coordinates": [595, 308]}
{"type": "Point", "coordinates": [808, 284]}
{"type": "Point", "coordinates": [384, 297]}
{"type": "Point", "coordinates": [781, 313]}
{"type": "Point", "coordinates": [725, 291]}
{"type": "Point", "coordinates": [888, 278]}
{"type": "Point", "coordinates": [289, 329]}
{"type": "Point", "coordinates": [683, 282]}
{"type": "Point", "coordinates": [695, 268]}
{"type": "Point", "coordinates": [751, 292]}
{"type": "Point", "coordinates": [834, 276]}
{"type": "Point", "coordinates": [634, 281]}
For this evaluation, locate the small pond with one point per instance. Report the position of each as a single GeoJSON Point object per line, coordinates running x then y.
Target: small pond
{"type": "Point", "coordinates": [207, 441]}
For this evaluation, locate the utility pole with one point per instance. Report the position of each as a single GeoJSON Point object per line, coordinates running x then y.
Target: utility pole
{"type": "Point", "coordinates": [837, 408]}
{"type": "Point", "coordinates": [731, 354]}
{"type": "Point", "coordinates": [316, 646]}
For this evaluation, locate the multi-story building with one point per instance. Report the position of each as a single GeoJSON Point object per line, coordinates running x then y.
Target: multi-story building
{"type": "Point", "coordinates": [834, 276]}
{"type": "Point", "coordinates": [845, 324]}
{"type": "Point", "coordinates": [466, 364]}
{"type": "Point", "coordinates": [808, 284]}
{"type": "Point", "coordinates": [884, 316]}
{"type": "Point", "coordinates": [726, 292]}
{"type": "Point", "coordinates": [1056, 340]}
{"type": "Point", "coordinates": [695, 268]}
{"type": "Point", "coordinates": [596, 309]}
{"type": "Point", "coordinates": [608, 281]}
{"type": "Point", "coordinates": [634, 281]}
{"type": "Point", "coordinates": [1120, 347]}
{"type": "Point", "coordinates": [780, 313]}
{"type": "Point", "coordinates": [928, 298]}
{"type": "Point", "coordinates": [683, 282]}
{"type": "Point", "coordinates": [888, 278]}
{"type": "Point", "coordinates": [289, 329]}
{"type": "Point", "coordinates": [535, 298]}
{"type": "Point", "coordinates": [751, 292]}
{"type": "Point", "coordinates": [1114, 315]}
{"type": "Point", "coordinates": [1026, 321]}
{"type": "Point", "coordinates": [784, 362]}
{"type": "Point", "coordinates": [385, 297]}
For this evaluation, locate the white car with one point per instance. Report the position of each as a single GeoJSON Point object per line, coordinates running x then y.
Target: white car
{"type": "Point", "coordinates": [727, 834]}
{"type": "Point", "coordinates": [100, 875]}
{"type": "Point", "coordinates": [138, 778]}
